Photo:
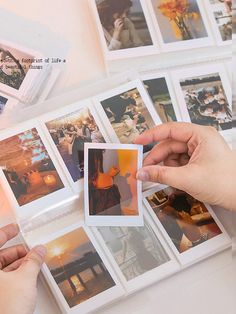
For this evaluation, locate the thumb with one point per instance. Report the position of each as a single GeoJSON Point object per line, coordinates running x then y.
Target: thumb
{"type": "Point", "coordinates": [172, 176]}
{"type": "Point", "coordinates": [33, 261]}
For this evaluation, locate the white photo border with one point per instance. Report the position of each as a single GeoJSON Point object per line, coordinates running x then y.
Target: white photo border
{"type": "Point", "coordinates": [104, 220]}
{"type": "Point", "coordinates": [59, 113]}
{"type": "Point", "coordinates": [197, 253]}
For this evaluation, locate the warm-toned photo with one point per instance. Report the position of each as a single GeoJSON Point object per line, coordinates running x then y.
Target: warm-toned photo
{"type": "Point", "coordinates": [160, 95]}
{"type": "Point", "coordinates": [206, 101]}
{"type": "Point", "coordinates": [77, 268]}
{"type": "Point", "coordinates": [28, 167]}
{"type": "Point", "coordinates": [112, 184]}
{"type": "Point", "coordinates": [124, 24]}
{"type": "Point", "coordinates": [128, 115]}
{"type": "Point", "coordinates": [179, 20]}
{"type": "Point", "coordinates": [222, 11]}
{"type": "Point", "coordinates": [69, 133]}
{"type": "Point", "coordinates": [136, 250]}
{"type": "Point", "coordinates": [14, 66]}
{"type": "Point", "coordinates": [186, 220]}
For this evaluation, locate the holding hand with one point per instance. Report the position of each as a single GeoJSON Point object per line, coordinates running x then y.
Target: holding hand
{"type": "Point", "coordinates": [19, 270]}
{"type": "Point", "coordinates": [196, 159]}
{"type": "Point", "coordinates": [118, 27]}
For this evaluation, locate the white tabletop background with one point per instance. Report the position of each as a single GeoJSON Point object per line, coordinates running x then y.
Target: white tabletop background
{"type": "Point", "coordinates": [208, 287]}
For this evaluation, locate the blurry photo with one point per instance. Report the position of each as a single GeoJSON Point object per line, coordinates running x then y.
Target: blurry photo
{"type": "Point", "coordinates": [159, 92]}
{"type": "Point", "coordinates": [77, 268]}
{"type": "Point", "coordinates": [27, 167]}
{"type": "Point", "coordinates": [222, 16]}
{"type": "Point", "coordinates": [206, 101]}
{"type": "Point", "coordinates": [124, 24]}
{"type": "Point", "coordinates": [187, 221]}
{"type": "Point", "coordinates": [130, 113]}
{"type": "Point", "coordinates": [3, 102]}
{"type": "Point", "coordinates": [111, 187]}
{"type": "Point", "coordinates": [69, 132]}
{"type": "Point", "coordinates": [136, 250]}
{"type": "Point", "coordinates": [13, 69]}
{"type": "Point", "coordinates": [179, 20]}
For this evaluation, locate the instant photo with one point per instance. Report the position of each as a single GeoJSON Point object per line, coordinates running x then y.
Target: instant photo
{"type": "Point", "coordinates": [3, 102]}
{"type": "Point", "coordinates": [130, 112]}
{"type": "Point", "coordinates": [206, 98]}
{"type": "Point", "coordinates": [180, 24]}
{"type": "Point", "coordinates": [77, 270]}
{"type": "Point", "coordinates": [188, 223]}
{"type": "Point", "coordinates": [69, 132]}
{"type": "Point", "coordinates": [220, 13]}
{"type": "Point", "coordinates": [159, 90]}
{"type": "Point", "coordinates": [112, 192]}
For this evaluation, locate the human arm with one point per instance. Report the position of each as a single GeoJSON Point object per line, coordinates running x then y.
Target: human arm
{"type": "Point", "coordinates": [196, 159]}
{"type": "Point", "coordinates": [18, 274]}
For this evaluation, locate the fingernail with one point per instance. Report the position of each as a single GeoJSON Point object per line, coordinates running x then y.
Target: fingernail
{"type": "Point", "coordinates": [143, 176]}
{"type": "Point", "coordinates": [41, 250]}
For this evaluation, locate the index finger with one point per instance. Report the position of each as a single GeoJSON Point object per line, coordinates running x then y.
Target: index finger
{"type": "Point", "coordinates": [7, 233]}
{"type": "Point", "coordinates": [179, 131]}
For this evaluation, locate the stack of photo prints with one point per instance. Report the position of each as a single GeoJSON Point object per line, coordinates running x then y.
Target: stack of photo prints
{"type": "Point", "coordinates": [126, 236]}
{"type": "Point", "coordinates": [24, 76]}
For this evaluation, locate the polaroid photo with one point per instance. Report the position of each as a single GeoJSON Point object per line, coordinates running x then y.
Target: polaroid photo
{"type": "Point", "coordinates": [220, 14]}
{"type": "Point", "coordinates": [67, 130]}
{"type": "Point", "coordinates": [127, 112]}
{"type": "Point", "coordinates": [29, 173]}
{"type": "Point", "coordinates": [16, 68]}
{"type": "Point", "coordinates": [78, 272]}
{"type": "Point", "coordinates": [139, 255]}
{"type": "Point", "coordinates": [191, 228]}
{"type": "Point", "coordinates": [8, 107]}
{"type": "Point", "coordinates": [125, 29]}
{"type": "Point", "coordinates": [112, 193]}
{"type": "Point", "coordinates": [180, 24]}
{"type": "Point", "coordinates": [205, 97]}
{"type": "Point", "coordinates": [161, 92]}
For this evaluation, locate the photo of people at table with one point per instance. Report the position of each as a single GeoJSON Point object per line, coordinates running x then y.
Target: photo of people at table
{"type": "Point", "coordinates": [77, 267]}
{"type": "Point", "coordinates": [28, 167]}
{"type": "Point", "coordinates": [124, 24]}
{"type": "Point", "coordinates": [136, 250]}
{"type": "Point", "coordinates": [69, 134]}
{"type": "Point", "coordinates": [206, 101]}
{"type": "Point", "coordinates": [128, 116]}
{"type": "Point", "coordinates": [112, 182]}
{"type": "Point", "coordinates": [186, 220]}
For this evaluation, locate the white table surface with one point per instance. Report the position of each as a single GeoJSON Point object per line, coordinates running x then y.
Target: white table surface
{"type": "Point", "coordinates": [208, 287]}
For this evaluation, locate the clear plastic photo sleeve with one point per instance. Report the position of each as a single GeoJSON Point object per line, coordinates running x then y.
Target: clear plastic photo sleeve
{"type": "Point", "coordinates": [78, 272]}
{"type": "Point", "coordinates": [112, 194]}
{"type": "Point", "coordinates": [190, 227]}
{"type": "Point", "coordinates": [139, 255]}
{"type": "Point", "coordinates": [29, 172]}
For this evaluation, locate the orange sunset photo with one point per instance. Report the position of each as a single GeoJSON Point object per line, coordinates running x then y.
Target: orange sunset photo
{"type": "Point", "coordinates": [77, 267]}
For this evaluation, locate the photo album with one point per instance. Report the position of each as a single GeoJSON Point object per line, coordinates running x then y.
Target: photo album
{"type": "Point", "coordinates": [70, 173]}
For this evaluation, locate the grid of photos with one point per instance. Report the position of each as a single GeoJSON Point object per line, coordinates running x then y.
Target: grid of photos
{"type": "Point", "coordinates": [15, 72]}
{"type": "Point", "coordinates": [138, 254]}
{"type": "Point", "coordinates": [206, 94]}
{"type": "Point", "coordinates": [69, 130]}
{"type": "Point", "coordinates": [129, 111]}
{"type": "Point", "coordinates": [77, 269]}
{"type": "Point", "coordinates": [180, 24]}
{"type": "Point", "coordinates": [188, 223]}
{"type": "Point", "coordinates": [221, 12]}
{"type": "Point", "coordinates": [30, 172]}
{"type": "Point", "coordinates": [159, 88]}
{"type": "Point", "coordinates": [123, 28]}
{"type": "Point", "coordinates": [110, 187]}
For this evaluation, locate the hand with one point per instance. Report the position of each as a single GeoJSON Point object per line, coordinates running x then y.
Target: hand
{"type": "Point", "coordinates": [196, 159]}
{"type": "Point", "coordinates": [118, 26]}
{"type": "Point", "coordinates": [19, 270]}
